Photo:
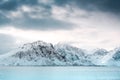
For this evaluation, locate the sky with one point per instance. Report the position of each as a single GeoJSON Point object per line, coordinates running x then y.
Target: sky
{"type": "Point", "coordinates": [86, 24]}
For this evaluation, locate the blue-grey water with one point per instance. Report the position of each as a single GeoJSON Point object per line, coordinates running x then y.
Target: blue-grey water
{"type": "Point", "coordinates": [59, 73]}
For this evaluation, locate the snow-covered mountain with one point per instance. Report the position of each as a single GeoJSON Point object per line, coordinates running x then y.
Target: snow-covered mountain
{"type": "Point", "coordinates": [116, 56]}
{"type": "Point", "coordinates": [45, 54]}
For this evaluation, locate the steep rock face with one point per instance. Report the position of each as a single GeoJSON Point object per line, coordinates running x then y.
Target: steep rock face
{"type": "Point", "coordinates": [97, 55]}
{"type": "Point", "coordinates": [113, 57]}
{"type": "Point", "coordinates": [73, 55]}
{"type": "Point", "coordinates": [100, 52]}
{"type": "Point", "coordinates": [45, 54]}
{"type": "Point", "coordinates": [36, 53]}
{"type": "Point", "coordinates": [41, 53]}
{"type": "Point", "coordinates": [37, 49]}
{"type": "Point", "coordinates": [116, 56]}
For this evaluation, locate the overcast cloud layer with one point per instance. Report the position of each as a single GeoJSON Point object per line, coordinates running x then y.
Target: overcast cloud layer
{"type": "Point", "coordinates": [83, 23]}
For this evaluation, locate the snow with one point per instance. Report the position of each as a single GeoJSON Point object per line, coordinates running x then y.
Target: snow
{"type": "Point", "coordinates": [40, 53]}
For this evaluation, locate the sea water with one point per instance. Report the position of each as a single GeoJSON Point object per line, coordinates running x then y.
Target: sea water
{"type": "Point", "coordinates": [59, 73]}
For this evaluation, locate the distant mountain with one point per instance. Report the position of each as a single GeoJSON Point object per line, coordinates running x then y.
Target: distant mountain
{"type": "Point", "coordinates": [45, 54]}
{"type": "Point", "coordinates": [116, 55]}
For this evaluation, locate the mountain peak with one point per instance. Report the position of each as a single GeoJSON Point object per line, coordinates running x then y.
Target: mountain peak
{"type": "Point", "coordinates": [35, 44]}
{"type": "Point", "coordinates": [42, 53]}
{"type": "Point", "coordinates": [100, 52]}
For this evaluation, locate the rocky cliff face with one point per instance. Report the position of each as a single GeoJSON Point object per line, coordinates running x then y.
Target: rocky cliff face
{"type": "Point", "coordinates": [45, 54]}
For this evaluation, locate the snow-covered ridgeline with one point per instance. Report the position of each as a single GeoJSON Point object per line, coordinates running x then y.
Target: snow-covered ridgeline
{"type": "Point", "coordinates": [40, 53]}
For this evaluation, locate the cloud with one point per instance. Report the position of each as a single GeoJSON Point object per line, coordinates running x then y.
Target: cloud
{"type": "Point", "coordinates": [91, 5]}
{"type": "Point", "coordinates": [82, 18]}
{"type": "Point", "coordinates": [29, 14]}
{"type": "Point", "coordinates": [8, 5]}
{"type": "Point", "coordinates": [6, 43]}
{"type": "Point", "coordinates": [88, 38]}
{"type": "Point", "coordinates": [91, 23]}
{"type": "Point", "coordinates": [42, 24]}
{"type": "Point", "coordinates": [53, 14]}
{"type": "Point", "coordinates": [4, 20]}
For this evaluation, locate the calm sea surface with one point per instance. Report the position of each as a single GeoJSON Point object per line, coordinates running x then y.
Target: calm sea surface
{"type": "Point", "coordinates": [59, 73]}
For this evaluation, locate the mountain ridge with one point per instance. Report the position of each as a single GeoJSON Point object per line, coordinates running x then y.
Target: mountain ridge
{"type": "Point", "coordinates": [40, 53]}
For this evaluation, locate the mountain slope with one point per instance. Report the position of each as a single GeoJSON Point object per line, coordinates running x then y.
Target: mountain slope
{"type": "Point", "coordinates": [36, 53]}
{"type": "Point", "coordinates": [45, 54]}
